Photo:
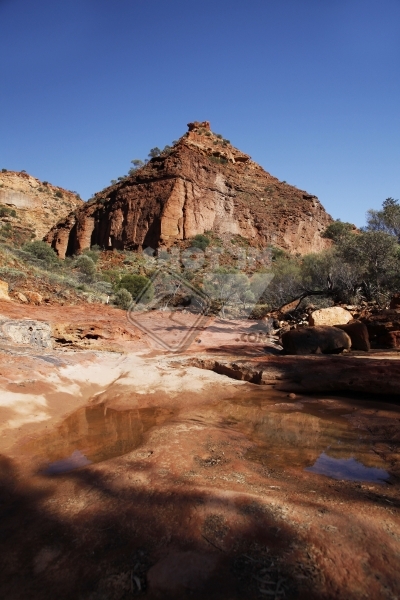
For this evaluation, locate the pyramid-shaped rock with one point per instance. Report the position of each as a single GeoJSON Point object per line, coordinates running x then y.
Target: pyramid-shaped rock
{"type": "Point", "coordinates": [200, 184]}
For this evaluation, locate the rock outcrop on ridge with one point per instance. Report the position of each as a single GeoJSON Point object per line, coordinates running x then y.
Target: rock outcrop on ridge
{"type": "Point", "coordinates": [31, 206]}
{"type": "Point", "coordinates": [200, 184]}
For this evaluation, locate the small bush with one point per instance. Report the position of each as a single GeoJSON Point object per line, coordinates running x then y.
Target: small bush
{"type": "Point", "coordinates": [218, 159]}
{"type": "Point", "coordinates": [58, 194]}
{"type": "Point", "coordinates": [200, 241]}
{"type": "Point", "coordinates": [42, 251]}
{"type": "Point", "coordinates": [112, 276]}
{"type": "Point", "coordinates": [123, 298]}
{"type": "Point", "coordinates": [7, 212]}
{"type": "Point", "coordinates": [135, 284]}
{"type": "Point", "coordinates": [4, 170]}
{"type": "Point", "coordinates": [93, 253]}
{"type": "Point", "coordinates": [86, 265]}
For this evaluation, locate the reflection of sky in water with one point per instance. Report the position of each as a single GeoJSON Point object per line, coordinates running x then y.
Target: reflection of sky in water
{"type": "Point", "coordinates": [346, 468]}
{"type": "Point", "coordinates": [76, 460]}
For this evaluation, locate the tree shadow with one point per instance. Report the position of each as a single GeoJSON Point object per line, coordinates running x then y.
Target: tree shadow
{"type": "Point", "coordinates": [84, 535]}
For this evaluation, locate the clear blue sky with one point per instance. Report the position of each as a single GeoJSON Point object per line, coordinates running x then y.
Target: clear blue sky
{"type": "Point", "coordinates": [309, 88]}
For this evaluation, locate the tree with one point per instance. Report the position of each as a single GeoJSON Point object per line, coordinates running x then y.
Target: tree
{"type": "Point", "coordinates": [227, 287]}
{"type": "Point", "coordinates": [337, 230]}
{"type": "Point", "coordinates": [387, 219]}
{"type": "Point", "coordinates": [137, 163]}
{"type": "Point", "coordinates": [154, 152]}
{"type": "Point", "coordinates": [375, 254]}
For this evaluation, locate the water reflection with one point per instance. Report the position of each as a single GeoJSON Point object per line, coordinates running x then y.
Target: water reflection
{"type": "Point", "coordinates": [76, 460]}
{"type": "Point", "coordinates": [287, 437]}
{"type": "Point", "coordinates": [93, 434]}
{"type": "Point", "coordinates": [347, 468]}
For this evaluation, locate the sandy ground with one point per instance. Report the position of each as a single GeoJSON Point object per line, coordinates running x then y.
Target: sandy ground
{"type": "Point", "coordinates": [190, 484]}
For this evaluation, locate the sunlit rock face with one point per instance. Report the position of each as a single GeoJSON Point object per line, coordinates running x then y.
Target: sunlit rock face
{"type": "Point", "coordinates": [29, 204]}
{"type": "Point", "coordinates": [200, 184]}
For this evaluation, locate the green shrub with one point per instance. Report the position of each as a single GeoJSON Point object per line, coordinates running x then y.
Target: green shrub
{"type": "Point", "coordinates": [42, 251]}
{"type": "Point", "coordinates": [112, 276]}
{"type": "Point", "coordinates": [93, 253]}
{"type": "Point", "coordinates": [4, 170]}
{"type": "Point", "coordinates": [337, 231]}
{"type": "Point", "coordinates": [7, 212]}
{"type": "Point", "coordinates": [135, 284]}
{"type": "Point", "coordinates": [86, 265]}
{"type": "Point", "coordinates": [59, 194]}
{"type": "Point", "coordinates": [123, 298]}
{"type": "Point", "coordinates": [218, 159]}
{"type": "Point", "coordinates": [200, 241]}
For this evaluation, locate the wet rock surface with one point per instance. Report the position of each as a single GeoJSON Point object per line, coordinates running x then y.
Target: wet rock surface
{"type": "Point", "coordinates": [138, 474]}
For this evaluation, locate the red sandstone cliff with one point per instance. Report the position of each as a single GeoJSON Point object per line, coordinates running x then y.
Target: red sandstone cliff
{"type": "Point", "coordinates": [203, 183]}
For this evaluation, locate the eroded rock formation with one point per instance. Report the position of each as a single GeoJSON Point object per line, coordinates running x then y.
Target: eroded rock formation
{"type": "Point", "coordinates": [201, 184]}
{"type": "Point", "coordinates": [31, 205]}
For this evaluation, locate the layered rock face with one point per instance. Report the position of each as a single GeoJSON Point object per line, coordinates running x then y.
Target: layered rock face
{"type": "Point", "coordinates": [201, 184]}
{"type": "Point", "coordinates": [31, 205]}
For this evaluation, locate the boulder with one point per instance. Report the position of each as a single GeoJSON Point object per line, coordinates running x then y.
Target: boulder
{"type": "Point", "coordinates": [315, 340]}
{"type": "Point", "coordinates": [380, 327]}
{"type": "Point", "coordinates": [335, 315]}
{"type": "Point", "coordinates": [358, 334]}
{"type": "Point", "coordinates": [21, 297]}
{"type": "Point", "coordinates": [4, 290]}
{"type": "Point", "coordinates": [34, 297]}
{"type": "Point", "coordinates": [33, 333]}
{"type": "Point", "coordinates": [395, 302]}
{"type": "Point", "coordinates": [391, 339]}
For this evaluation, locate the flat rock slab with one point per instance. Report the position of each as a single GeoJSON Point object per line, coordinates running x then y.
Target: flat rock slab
{"type": "Point", "coordinates": [311, 373]}
{"type": "Point", "coordinates": [32, 333]}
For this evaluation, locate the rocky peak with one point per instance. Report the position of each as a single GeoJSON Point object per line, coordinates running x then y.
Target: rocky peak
{"type": "Point", "coordinates": [203, 183]}
{"type": "Point", "coordinates": [213, 144]}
